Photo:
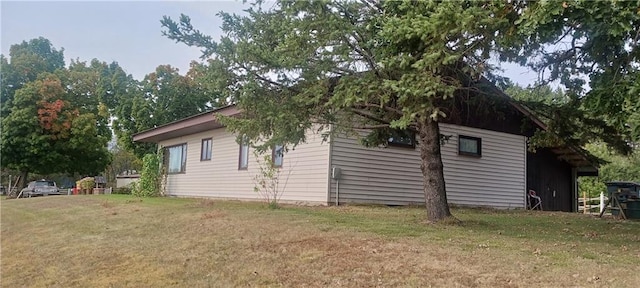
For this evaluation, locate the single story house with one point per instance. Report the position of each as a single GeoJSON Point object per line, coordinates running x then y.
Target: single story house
{"type": "Point", "coordinates": [486, 163]}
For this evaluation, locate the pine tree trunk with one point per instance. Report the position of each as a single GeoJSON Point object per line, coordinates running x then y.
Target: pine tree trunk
{"type": "Point", "coordinates": [432, 171]}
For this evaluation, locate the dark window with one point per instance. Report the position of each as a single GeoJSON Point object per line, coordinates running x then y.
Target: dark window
{"type": "Point", "coordinates": [470, 146]}
{"type": "Point", "coordinates": [243, 158]}
{"type": "Point", "coordinates": [205, 153]}
{"type": "Point", "coordinates": [176, 158]}
{"type": "Point", "coordinates": [277, 155]}
{"type": "Point", "coordinates": [402, 138]}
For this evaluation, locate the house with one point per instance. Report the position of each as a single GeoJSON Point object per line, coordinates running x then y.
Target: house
{"type": "Point", "coordinates": [486, 163]}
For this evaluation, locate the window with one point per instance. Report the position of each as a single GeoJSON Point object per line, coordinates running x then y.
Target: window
{"type": "Point", "coordinates": [402, 138]}
{"type": "Point", "coordinates": [277, 155]}
{"type": "Point", "coordinates": [470, 146]}
{"type": "Point", "coordinates": [243, 158]}
{"type": "Point", "coordinates": [205, 153]}
{"type": "Point", "coordinates": [176, 158]}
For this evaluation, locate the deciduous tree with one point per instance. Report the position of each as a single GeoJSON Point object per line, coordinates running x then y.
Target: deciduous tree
{"type": "Point", "coordinates": [161, 97]}
{"type": "Point", "coordinates": [55, 121]}
{"type": "Point", "coordinates": [592, 49]}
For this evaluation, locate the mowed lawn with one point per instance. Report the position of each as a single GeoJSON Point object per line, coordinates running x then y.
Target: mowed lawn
{"type": "Point", "coordinates": [123, 241]}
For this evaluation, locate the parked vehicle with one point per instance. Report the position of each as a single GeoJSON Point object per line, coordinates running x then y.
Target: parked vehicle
{"type": "Point", "coordinates": [40, 188]}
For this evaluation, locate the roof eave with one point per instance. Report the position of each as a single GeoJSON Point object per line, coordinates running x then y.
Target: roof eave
{"type": "Point", "coordinates": [190, 125]}
{"type": "Point", "coordinates": [583, 160]}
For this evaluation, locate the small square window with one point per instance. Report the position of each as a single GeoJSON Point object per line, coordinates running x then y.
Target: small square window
{"type": "Point", "coordinates": [469, 146]}
{"type": "Point", "coordinates": [205, 153]}
{"type": "Point", "coordinates": [402, 138]}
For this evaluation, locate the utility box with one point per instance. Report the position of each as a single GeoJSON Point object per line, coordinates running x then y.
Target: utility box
{"type": "Point", "coordinates": [628, 195]}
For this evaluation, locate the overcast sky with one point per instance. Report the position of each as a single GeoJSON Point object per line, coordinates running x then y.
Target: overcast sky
{"type": "Point", "coordinates": [125, 31]}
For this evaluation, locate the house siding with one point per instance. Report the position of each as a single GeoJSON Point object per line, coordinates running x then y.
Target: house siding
{"type": "Point", "coordinates": [126, 181]}
{"type": "Point", "coordinates": [392, 175]}
{"type": "Point", "coordinates": [305, 170]}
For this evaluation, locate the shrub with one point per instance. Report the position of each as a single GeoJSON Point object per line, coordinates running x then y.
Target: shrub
{"type": "Point", "coordinates": [121, 190]}
{"type": "Point", "coordinates": [86, 185]}
{"type": "Point", "coordinates": [267, 181]}
{"type": "Point", "coordinates": [150, 178]}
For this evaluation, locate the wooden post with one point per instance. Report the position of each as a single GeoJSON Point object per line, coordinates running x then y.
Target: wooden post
{"type": "Point", "coordinates": [584, 202]}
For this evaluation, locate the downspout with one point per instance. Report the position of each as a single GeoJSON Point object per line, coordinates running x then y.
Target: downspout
{"type": "Point", "coordinates": [329, 166]}
{"type": "Point", "coordinates": [337, 191]}
{"type": "Point", "coordinates": [575, 193]}
{"type": "Point", "coordinates": [526, 172]}
{"type": "Point", "coordinates": [336, 174]}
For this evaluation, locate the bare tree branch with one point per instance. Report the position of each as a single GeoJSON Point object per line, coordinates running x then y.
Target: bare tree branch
{"type": "Point", "coordinates": [370, 127]}
{"type": "Point", "coordinates": [372, 4]}
{"type": "Point", "coordinates": [385, 107]}
{"type": "Point", "coordinates": [369, 116]}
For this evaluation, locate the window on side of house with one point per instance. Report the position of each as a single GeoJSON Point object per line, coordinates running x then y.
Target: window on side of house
{"type": "Point", "coordinates": [277, 155]}
{"type": "Point", "coordinates": [243, 156]}
{"type": "Point", "coordinates": [176, 158]}
{"type": "Point", "coordinates": [206, 149]}
{"type": "Point", "coordinates": [402, 138]}
{"type": "Point", "coordinates": [469, 146]}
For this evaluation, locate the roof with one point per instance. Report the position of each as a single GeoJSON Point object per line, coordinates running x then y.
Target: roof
{"type": "Point", "coordinates": [573, 155]}
{"type": "Point", "coordinates": [622, 183]}
{"type": "Point", "coordinates": [190, 125]}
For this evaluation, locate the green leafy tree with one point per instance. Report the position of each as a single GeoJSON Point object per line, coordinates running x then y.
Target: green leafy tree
{"type": "Point", "coordinates": [162, 97]}
{"type": "Point", "coordinates": [28, 60]}
{"type": "Point", "coordinates": [53, 120]}
{"type": "Point", "coordinates": [24, 146]}
{"type": "Point", "coordinates": [122, 160]}
{"type": "Point", "coordinates": [206, 80]}
{"type": "Point", "coordinates": [543, 94]}
{"type": "Point", "coordinates": [349, 64]}
{"type": "Point", "coordinates": [386, 65]}
{"type": "Point", "coordinates": [45, 133]}
{"type": "Point", "coordinates": [617, 168]}
{"type": "Point", "coordinates": [591, 48]}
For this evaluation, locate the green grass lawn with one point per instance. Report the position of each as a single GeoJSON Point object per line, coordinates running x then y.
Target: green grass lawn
{"type": "Point", "coordinates": [123, 241]}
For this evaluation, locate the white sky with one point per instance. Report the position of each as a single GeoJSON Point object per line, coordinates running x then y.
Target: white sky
{"type": "Point", "coordinates": [126, 32]}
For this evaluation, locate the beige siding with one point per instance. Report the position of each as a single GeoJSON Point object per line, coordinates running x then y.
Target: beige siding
{"type": "Point", "coordinates": [306, 168]}
{"type": "Point", "coordinates": [125, 182]}
{"type": "Point", "coordinates": [392, 175]}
